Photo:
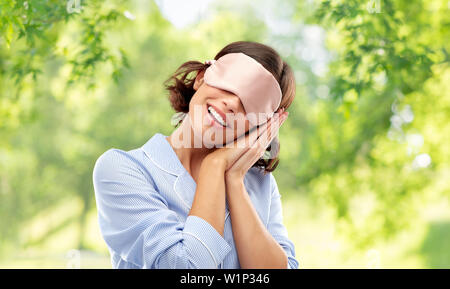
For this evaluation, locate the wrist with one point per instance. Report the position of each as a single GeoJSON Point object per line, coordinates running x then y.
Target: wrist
{"type": "Point", "coordinates": [233, 176]}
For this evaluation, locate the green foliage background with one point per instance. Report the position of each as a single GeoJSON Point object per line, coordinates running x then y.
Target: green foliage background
{"type": "Point", "coordinates": [365, 160]}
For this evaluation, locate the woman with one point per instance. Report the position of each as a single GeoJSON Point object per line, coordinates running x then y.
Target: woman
{"type": "Point", "coordinates": [205, 197]}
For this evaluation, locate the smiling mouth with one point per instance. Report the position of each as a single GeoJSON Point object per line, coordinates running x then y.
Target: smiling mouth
{"type": "Point", "coordinates": [216, 117]}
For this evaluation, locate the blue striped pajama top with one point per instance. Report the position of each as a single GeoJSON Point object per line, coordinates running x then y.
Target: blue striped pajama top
{"type": "Point", "coordinates": [143, 198]}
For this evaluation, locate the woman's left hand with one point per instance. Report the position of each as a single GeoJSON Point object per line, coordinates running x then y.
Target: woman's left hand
{"type": "Point", "coordinates": [238, 170]}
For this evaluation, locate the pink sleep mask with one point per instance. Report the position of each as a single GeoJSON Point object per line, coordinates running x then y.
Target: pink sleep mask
{"type": "Point", "coordinates": [242, 75]}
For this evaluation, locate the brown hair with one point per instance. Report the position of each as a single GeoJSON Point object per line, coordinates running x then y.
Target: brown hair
{"type": "Point", "coordinates": [182, 90]}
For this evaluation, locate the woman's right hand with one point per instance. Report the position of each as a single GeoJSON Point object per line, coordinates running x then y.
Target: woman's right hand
{"type": "Point", "coordinates": [231, 152]}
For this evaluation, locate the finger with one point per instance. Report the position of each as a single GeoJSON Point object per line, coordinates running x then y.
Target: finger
{"type": "Point", "coordinates": [248, 158]}
{"type": "Point", "coordinates": [244, 162]}
{"type": "Point", "coordinates": [249, 139]}
{"type": "Point", "coordinates": [262, 148]}
{"type": "Point", "coordinates": [266, 140]}
{"type": "Point", "coordinates": [271, 130]}
{"type": "Point", "coordinates": [251, 154]}
{"type": "Point", "coordinates": [258, 154]}
{"type": "Point", "coordinates": [257, 150]}
{"type": "Point", "coordinates": [269, 124]}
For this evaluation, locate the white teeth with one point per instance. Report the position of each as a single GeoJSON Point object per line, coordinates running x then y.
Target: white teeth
{"type": "Point", "coordinates": [217, 116]}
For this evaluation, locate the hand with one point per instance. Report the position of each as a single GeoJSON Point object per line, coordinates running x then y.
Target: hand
{"type": "Point", "coordinates": [254, 143]}
{"type": "Point", "coordinates": [248, 158]}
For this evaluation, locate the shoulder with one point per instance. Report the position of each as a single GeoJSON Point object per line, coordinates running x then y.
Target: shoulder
{"type": "Point", "coordinates": [258, 181]}
{"type": "Point", "coordinates": [115, 162]}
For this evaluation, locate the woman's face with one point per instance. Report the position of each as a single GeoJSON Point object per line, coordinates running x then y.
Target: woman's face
{"type": "Point", "coordinates": [206, 103]}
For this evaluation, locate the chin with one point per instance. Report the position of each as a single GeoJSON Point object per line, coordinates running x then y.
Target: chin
{"type": "Point", "coordinates": [213, 138]}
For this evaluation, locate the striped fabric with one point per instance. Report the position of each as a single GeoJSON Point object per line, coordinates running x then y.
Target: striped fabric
{"type": "Point", "coordinates": [143, 198]}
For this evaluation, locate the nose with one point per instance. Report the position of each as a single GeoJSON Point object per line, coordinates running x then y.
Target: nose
{"type": "Point", "coordinates": [232, 104]}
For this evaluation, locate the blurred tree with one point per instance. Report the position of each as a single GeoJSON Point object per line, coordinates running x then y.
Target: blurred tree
{"type": "Point", "coordinates": [37, 40]}
{"type": "Point", "coordinates": [32, 33]}
{"type": "Point", "coordinates": [56, 121]}
{"type": "Point", "coordinates": [361, 152]}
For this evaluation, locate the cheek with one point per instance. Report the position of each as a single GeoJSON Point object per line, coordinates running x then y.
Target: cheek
{"type": "Point", "coordinates": [241, 127]}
